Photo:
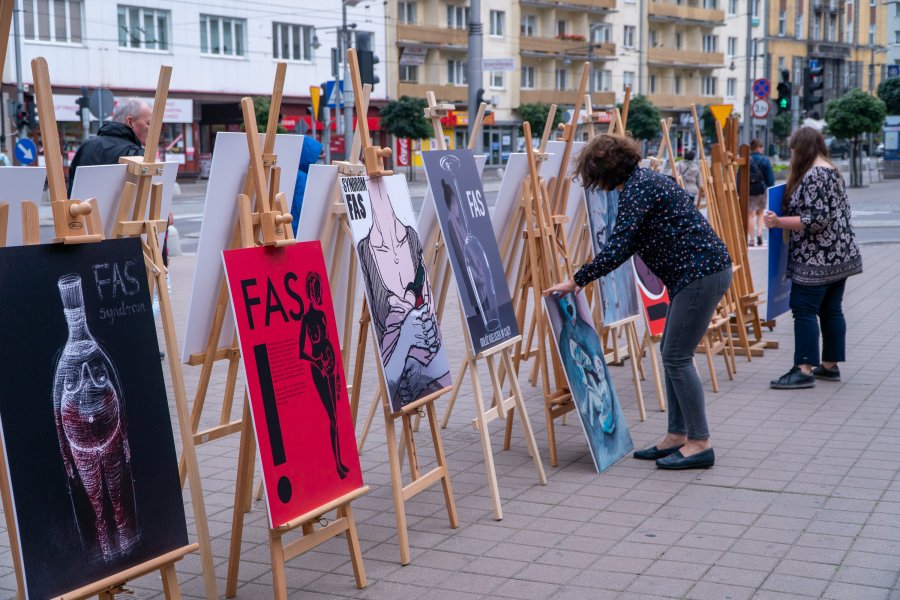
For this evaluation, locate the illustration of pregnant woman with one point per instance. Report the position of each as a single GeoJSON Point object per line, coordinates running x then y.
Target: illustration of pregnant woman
{"type": "Point", "coordinates": [321, 355]}
{"type": "Point", "coordinates": [401, 305]}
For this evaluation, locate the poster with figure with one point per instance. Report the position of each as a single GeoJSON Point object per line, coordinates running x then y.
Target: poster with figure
{"type": "Point", "coordinates": [398, 288]}
{"type": "Point", "coordinates": [618, 291]}
{"type": "Point", "coordinates": [589, 382]}
{"type": "Point", "coordinates": [295, 377]}
{"type": "Point", "coordinates": [458, 197]}
{"type": "Point", "coordinates": [779, 289]}
{"type": "Point", "coordinates": [654, 296]}
{"type": "Point", "coordinates": [84, 414]}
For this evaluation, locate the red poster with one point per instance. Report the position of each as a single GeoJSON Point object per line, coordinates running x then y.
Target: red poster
{"type": "Point", "coordinates": [654, 296]}
{"type": "Point", "coordinates": [401, 156]}
{"type": "Point", "coordinates": [295, 377]}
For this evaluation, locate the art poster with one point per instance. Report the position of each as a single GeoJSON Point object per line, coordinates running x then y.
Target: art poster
{"type": "Point", "coordinates": [779, 289]}
{"type": "Point", "coordinates": [654, 296]}
{"type": "Point", "coordinates": [85, 419]}
{"type": "Point", "coordinates": [589, 382]}
{"type": "Point", "coordinates": [465, 222]}
{"type": "Point", "coordinates": [618, 291]}
{"type": "Point", "coordinates": [397, 287]}
{"type": "Point", "coordinates": [295, 377]}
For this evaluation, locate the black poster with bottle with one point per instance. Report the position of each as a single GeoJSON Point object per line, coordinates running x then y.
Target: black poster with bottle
{"type": "Point", "coordinates": [86, 425]}
{"type": "Point", "coordinates": [474, 256]}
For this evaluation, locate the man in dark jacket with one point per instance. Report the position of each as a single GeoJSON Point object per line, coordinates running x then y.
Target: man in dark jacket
{"type": "Point", "coordinates": [125, 135]}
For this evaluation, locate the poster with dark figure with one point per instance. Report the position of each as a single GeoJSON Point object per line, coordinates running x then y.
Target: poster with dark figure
{"type": "Point", "coordinates": [398, 288]}
{"type": "Point", "coordinates": [295, 378]}
{"type": "Point", "coordinates": [589, 382]}
{"type": "Point", "coordinates": [85, 418]}
{"type": "Point", "coordinates": [618, 291]}
{"type": "Point", "coordinates": [474, 255]}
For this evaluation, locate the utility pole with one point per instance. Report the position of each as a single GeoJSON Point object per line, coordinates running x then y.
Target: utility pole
{"type": "Point", "coordinates": [348, 84]}
{"type": "Point", "coordinates": [751, 52]}
{"type": "Point", "coordinates": [475, 75]}
{"type": "Point", "coordinates": [20, 89]}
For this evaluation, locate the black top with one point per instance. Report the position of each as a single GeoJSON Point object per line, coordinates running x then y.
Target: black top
{"type": "Point", "coordinates": [112, 141]}
{"type": "Point", "coordinates": [657, 219]}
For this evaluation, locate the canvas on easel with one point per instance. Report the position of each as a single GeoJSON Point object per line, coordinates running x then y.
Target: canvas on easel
{"type": "Point", "coordinates": [17, 185]}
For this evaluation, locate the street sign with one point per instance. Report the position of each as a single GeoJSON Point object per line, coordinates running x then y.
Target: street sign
{"type": "Point", "coordinates": [761, 88]}
{"type": "Point", "coordinates": [893, 71]}
{"type": "Point", "coordinates": [814, 63]}
{"type": "Point", "coordinates": [315, 93]}
{"type": "Point", "coordinates": [101, 102]}
{"type": "Point", "coordinates": [760, 108]}
{"type": "Point", "coordinates": [498, 64]}
{"type": "Point", "coordinates": [25, 151]}
{"type": "Point", "coordinates": [721, 112]}
{"type": "Point", "coordinates": [331, 94]}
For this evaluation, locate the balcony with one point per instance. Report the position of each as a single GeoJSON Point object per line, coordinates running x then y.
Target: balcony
{"type": "Point", "coordinates": [430, 36]}
{"type": "Point", "coordinates": [681, 101]}
{"type": "Point", "coordinates": [598, 99]}
{"type": "Point", "coordinates": [664, 11]}
{"type": "Point", "coordinates": [545, 45]}
{"type": "Point", "coordinates": [667, 57]}
{"type": "Point", "coordinates": [590, 6]}
{"type": "Point", "coordinates": [455, 94]}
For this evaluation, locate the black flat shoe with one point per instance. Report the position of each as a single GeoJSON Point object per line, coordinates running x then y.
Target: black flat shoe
{"type": "Point", "coordinates": [795, 379]}
{"type": "Point", "coordinates": [652, 453]}
{"type": "Point", "coordinates": [826, 374]}
{"type": "Point", "coordinates": [678, 461]}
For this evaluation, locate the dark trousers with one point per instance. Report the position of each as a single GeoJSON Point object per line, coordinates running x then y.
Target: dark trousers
{"type": "Point", "coordinates": [812, 306]}
{"type": "Point", "coordinates": [689, 315]}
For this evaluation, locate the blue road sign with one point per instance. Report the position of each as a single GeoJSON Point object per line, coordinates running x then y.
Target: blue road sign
{"type": "Point", "coordinates": [893, 71]}
{"type": "Point", "coordinates": [761, 88]}
{"type": "Point", "coordinates": [330, 96]}
{"type": "Point", "coordinates": [814, 63]}
{"type": "Point", "coordinates": [26, 151]}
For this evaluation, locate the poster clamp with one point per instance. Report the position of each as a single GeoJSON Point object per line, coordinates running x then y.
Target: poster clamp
{"type": "Point", "coordinates": [268, 224]}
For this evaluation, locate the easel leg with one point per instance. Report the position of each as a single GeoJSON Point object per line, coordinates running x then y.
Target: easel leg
{"type": "Point", "coordinates": [279, 579]}
{"type": "Point", "coordinates": [359, 570]}
{"type": "Point", "coordinates": [449, 409]}
{"type": "Point", "coordinates": [530, 440]}
{"type": "Point", "coordinates": [397, 486]}
{"type": "Point", "coordinates": [370, 417]}
{"type": "Point", "coordinates": [245, 456]}
{"type": "Point", "coordinates": [442, 463]}
{"type": "Point", "coordinates": [485, 438]}
{"type": "Point", "coordinates": [170, 582]}
{"type": "Point", "coordinates": [631, 338]}
{"type": "Point", "coordinates": [657, 378]}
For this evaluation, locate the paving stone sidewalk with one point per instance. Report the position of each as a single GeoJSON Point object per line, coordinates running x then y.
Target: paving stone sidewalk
{"type": "Point", "coordinates": [804, 501]}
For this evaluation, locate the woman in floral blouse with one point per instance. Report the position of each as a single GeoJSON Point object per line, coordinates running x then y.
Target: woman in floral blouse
{"type": "Point", "coordinates": [823, 254]}
{"type": "Point", "coordinates": [658, 220]}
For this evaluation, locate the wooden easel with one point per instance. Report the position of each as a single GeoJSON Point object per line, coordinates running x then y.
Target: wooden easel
{"type": "Point", "coordinates": [501, 403]}
{"type": "Point", "coordinates": [78, 223]}
{"type": "Point", "coordinates": [269, 225]}
{"type": "Point", "coordinates": [373, 158]}
{"type": "Point", "coordinates": [207, 360]}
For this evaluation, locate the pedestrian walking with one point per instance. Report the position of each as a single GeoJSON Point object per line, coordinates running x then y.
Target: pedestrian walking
{"type": "Point", "coordinates": [689, 172]}
{"type": "Point", "coordinates": [658, 220]}
{"type": "Point", "coordinates": [822, 254]}
{"type": "Point", "coordinates": [762, 177]}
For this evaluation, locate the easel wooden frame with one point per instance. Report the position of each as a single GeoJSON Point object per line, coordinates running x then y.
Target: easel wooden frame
{"type": "Point", "coordinates": [269, 225]}
{"type": "Point", "coordinates": [501, 403]}
{"type": "Point", "coordinates": [73, 216]}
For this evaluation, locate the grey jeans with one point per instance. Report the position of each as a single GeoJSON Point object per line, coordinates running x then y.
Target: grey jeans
{"type": "Point", "coordinates": [689, 315]}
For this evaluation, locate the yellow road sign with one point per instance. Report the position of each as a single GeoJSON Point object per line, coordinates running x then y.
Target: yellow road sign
{"type": "Point", "coordinates": [315, 93]}
{"type": "Point", "coordinates": [721, 112]}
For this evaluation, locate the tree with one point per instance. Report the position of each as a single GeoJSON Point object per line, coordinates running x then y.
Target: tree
{"type": "Point", "coordinates": [261, 105]}
{"type": "Point", "coordinates": [405, 118]}
{"type": "Point", "coordinates": [850, 117]}
{"type": "Point", "coordinates": [781, 126]}
{"type": "Point", "coordinates": [536, 114]}
{"type": "Point", "coordinates": [643, 118]}
{"type": "Point", "coordinates": [889, 92]}
{"type": "Point", "coordinates": [708, 125]}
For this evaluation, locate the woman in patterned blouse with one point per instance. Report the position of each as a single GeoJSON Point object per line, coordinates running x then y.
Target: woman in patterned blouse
{"type": "Point", "coordinates": [657, 219]}
{"type": "Point", "coordinates": [823, 253]}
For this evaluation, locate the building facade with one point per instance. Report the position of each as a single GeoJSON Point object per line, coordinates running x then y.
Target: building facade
{"type": "Point", "coordinates": [893, 29]}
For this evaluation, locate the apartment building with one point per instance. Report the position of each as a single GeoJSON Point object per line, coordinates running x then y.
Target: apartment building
{"type": "Point", "coordinates": [893, 20]}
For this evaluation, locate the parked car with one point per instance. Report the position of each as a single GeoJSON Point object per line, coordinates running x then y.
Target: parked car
{"type": "Point", "coordinates": [839, 149]}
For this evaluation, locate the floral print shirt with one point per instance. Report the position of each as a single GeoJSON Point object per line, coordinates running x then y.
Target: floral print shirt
{"type": "Point", "coordinates": [657, 220]}
{"type": "Point", "coordinates": [825, 250]}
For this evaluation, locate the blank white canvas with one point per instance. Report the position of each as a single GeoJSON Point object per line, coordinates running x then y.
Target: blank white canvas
{"type": "Point", "coordinates": [230, 162]}
{"type": "Point", "coordinates": [19, 184]}
{"type": "Point", "coordinates": [575, 202]}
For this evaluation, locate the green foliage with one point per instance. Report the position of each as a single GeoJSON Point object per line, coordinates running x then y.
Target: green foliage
{"type": "Point", "coordinates": [405, 118]}
{"type": "Point", "coordinates": [889, 92]}
{"type": "Point", "coordinates": [643, 118]}
{"type": "Point", "coordinates": [708, 124]}
{"type": "Point", "coordinates": [781, 126]}
{"type": "Point", "coordinates": [261, 106]}
{"type": "Point", "coordinates": [536, 114]}
{"type": "Point", "coordinates": [855, 114]}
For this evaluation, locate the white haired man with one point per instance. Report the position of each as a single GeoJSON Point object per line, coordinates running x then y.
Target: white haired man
{"type": "Point", "coordinates": [125, 135]}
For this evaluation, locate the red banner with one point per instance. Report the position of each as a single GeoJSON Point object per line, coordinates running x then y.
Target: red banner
{"type": "Point", "coordinates": [295, 377]}
{"type": "Point", "coordinates": [403, 155]}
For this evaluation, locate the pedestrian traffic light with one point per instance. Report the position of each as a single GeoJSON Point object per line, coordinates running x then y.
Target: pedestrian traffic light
{"type": "Point", "coordinates": [813, 82]}
{"type": "Point", "coordinates": [21, 116]}
{"type": "Point", "coordinates": [367, 61]}
{"type": "Point", "coordinates": [784, 96]}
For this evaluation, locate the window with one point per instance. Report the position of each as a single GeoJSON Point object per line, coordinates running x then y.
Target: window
{"type": "Point", "coordinates": [731, 87]}
{"type": "Point", "coordinates": [654, 38]}
{"type": "Point", "coordinates": [732, 8]}
{"type": "Point", "coordinates": [457, 17]}
{"type": "Point", "coordinates": [601, 33]}
{"type": "Point", "coordinates": [678, 84]}
{"type": "Point", "coordinates": [222, 35]}
{"type": "Point", "coordinates": [653, 84]}
{"type": "Point", "coordinates": [528, 78]}
{"type": "Point", "coordinates": [679, 40]}
{"type": "Point", "coordinates": [406, 13]}
{"type": "Point", "coordinates": [292, 42]}
{"type": "Point", "coordinates": [53, 20]}
{"type": "Point", "coordinates": [732, 47]}
{"type": "Point", "coordinates": [798, 26]}
{"type": "Point", "coordinates": [629, 36]}
{"type": "Point", "coordinates": [710, 84]}
{"type": "Point", "coordinates": [497, 80]}
{"type": "Point", "coordinates": [498, 22]}
{"type": "Point", "coordinates": [143, 28]}
{"type": "Point", "coordinates": [457, 72]}
{"type": "Point", "coordinates": [529, 25]}
{"type": "Point", "coordinates": [409, 73]}
{"type": "Point", "coordinates": [832, 28]}
{"type": "Point", "coordinates": [782, 23]}
{"type": "Point", "coordinates": [710, 43]}
{"type": "Point", "coordinates": [627, 79]}
{"type": "Point", "coordinates": [816, 32]}
{"type": "Point", "coordinates": [872, 35]}
{"type": "Point", "coordinates": [602, 81]}
{"type": "Point", "coordinates": [849, 24]}
{"type": "Point", "coordinates": [897, 37]}
{"type": "Point", "coordinates": [710, 4]}
{"type": "Point", "coordinates": [560, 28]}
{"type": "Point", "coordinates": [562, 79]}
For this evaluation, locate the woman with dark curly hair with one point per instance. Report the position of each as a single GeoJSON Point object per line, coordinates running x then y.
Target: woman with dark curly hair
{"type": "Point", "coordinates": [658, 221]}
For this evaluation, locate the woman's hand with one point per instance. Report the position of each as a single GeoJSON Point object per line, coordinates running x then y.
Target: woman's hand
{"type": "Point", "coordinates": [563, 288]}
{"type": "Point", "coordinates": [772, 220]}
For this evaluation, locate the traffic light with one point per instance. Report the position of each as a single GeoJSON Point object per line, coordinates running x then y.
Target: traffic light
{"type": "Point", "coordinates": [367, 61]}
{"type": "Point", "coordinates": [784, 96]}
{"type": "Point", "coordinates": [83, 104]}
{"type": "Point", "coordinates": [21, 117]}
{"type": "Point", "coordinates": [813, 82]}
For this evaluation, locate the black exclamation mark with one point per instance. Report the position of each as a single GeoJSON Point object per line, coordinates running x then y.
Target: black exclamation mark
{"type": "Point", "coordinates": [276, 441]}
